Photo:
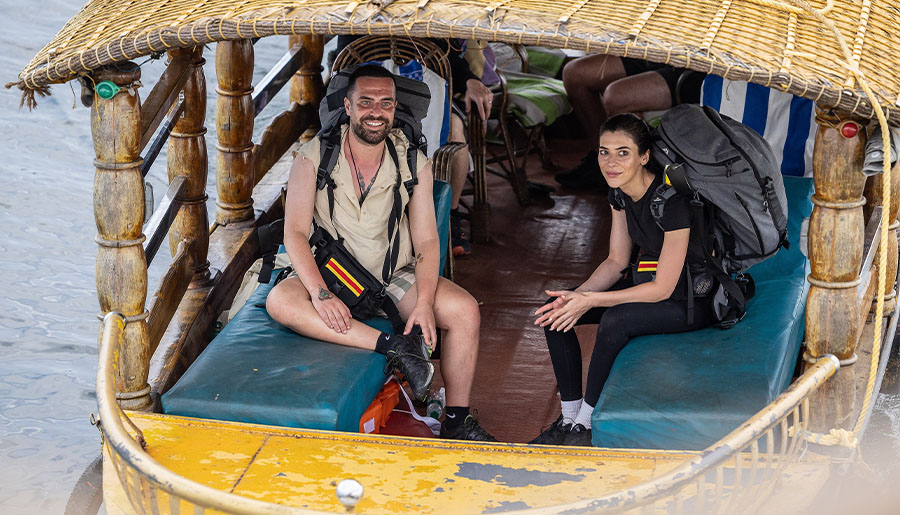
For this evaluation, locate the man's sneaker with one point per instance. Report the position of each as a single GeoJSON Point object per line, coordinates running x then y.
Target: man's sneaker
{"type": "Point", "coordinates": [409, 357]}
{"type": "Point", "coordinates": [555, 434]}
{"type": "Point", "coordinates": [459, 244]}
{"type": "Point", "coordinates": [585, 175]}
{"type": "Point", "coordinates": [578, 435]}
{"type": "Point", "coordinates": [470, 430]}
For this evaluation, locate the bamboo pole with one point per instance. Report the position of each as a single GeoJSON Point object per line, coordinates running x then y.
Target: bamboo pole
{"type": "Point", "coordinates": [187, 157]}
{"type": "Point", "coordinates": [306, 84]}
{"type": "Point", "coordinates": [234, 127]}
{"type": "Point", "coordinates": [121, 266]}
{"type": "Point", "coordinates": [836, 234]}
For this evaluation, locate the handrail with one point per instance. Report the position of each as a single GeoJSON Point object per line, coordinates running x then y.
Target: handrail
{"type": "Point", "coordinates": [159, 224]}
{"type": "Point", "coordinates": [138, 472]}
{"type": "Point", "coordinates": [718, 453]}
{"type": "Point", "coordinates": [149, 472]}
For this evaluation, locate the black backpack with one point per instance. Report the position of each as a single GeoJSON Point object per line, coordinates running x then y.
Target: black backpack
{"type": "Point", "coordinates": [737, 194]}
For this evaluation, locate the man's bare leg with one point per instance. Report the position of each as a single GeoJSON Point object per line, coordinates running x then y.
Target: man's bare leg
{"type": "Point", "coordinates": [459, 167]}
{"type": "Point", "coordinates": [455, 311]}
{"type": "Point", "coordinates": [289, 304]}
{"type": "Point", "coordinates": [585, 80]}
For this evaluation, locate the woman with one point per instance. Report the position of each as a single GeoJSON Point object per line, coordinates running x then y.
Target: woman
{"type": "Point", "coordinates": [652, 299]}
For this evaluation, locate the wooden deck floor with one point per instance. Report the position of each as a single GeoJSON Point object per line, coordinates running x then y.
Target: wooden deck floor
{"type": "Point", "coordinates": [554, 243]}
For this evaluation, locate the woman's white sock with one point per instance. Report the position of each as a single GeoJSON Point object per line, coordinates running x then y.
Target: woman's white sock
{"type": "Point", "coordinates": [570, 410]}
{"type": "Point", "coordinates": [584, 414]}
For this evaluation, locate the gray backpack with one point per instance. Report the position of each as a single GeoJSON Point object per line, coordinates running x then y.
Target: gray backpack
{"type": "Point", "coordinates": [738, 199]}
{"type": "Point", "coordinates": [728, 166]}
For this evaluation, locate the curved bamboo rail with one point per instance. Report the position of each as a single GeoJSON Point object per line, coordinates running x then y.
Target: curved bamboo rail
{"type": "Point", "coordinates": [151, 488]}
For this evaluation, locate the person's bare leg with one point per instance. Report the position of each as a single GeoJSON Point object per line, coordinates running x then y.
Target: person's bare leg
{"type": "Point", "coordinates": [459, 167]}
{"type": "Point", "coordinates": [455, 311]}
{"type": "Point", "coordinates": [585, 80]}
{"type": "Point", "coordinates": [646, 91]}
{"type": "Point", "coordinates": [289, 304]}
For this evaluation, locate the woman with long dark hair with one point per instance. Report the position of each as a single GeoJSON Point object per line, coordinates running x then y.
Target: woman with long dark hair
{"type": "Point", "coordinates": [652, 299]}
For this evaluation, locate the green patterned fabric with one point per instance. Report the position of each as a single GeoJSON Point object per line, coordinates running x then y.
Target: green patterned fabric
{"type": "Point", "coordinates": [536, 100]}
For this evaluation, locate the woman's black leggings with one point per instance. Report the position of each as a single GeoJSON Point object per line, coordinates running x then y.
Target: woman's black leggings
{"type": "Point", "coordinates": [617, 325]}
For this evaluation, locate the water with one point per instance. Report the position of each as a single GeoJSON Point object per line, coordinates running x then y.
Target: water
{"type": "Point", "coordinates": [48, 329]}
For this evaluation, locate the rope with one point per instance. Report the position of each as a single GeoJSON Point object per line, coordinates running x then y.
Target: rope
{"type": "Point", "coordinates": [834, 437]}
{"type": "Point", "coordinates": [853, 67]}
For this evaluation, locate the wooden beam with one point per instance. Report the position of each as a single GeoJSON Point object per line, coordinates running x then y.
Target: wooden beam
{"type": "Point", "coordinates": [283, 132]}
{"type": "Point", "coordinates": [163, 97]}
{"type": "Point", "coordinates": [277, 77]}
{"type": "Point", "coordinates": [162, 218]}
{"type": "Point", "coordinates": [169, 294]}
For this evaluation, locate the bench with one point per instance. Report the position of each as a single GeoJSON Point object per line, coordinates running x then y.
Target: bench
{"type": "Point", "coordinates": [686, 391]}
{"type": "Point", "coordinates": [258, 371]}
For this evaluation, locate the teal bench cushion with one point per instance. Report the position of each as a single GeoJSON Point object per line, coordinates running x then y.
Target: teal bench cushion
{"type": "Point", "coordinates": [686, 391]}
{"type": "Point", "coordinates": [258, 371]}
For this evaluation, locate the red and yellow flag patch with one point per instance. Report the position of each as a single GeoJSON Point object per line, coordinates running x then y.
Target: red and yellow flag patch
{"type": "Point", "coordinates": [647, 266]}
{"type": "Point", "coordinates": [345, 277]}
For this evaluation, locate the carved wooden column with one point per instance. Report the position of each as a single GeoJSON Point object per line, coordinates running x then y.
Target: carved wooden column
{"type": "Point", "coordinates": [119, 214]}
{"type": "Point", "coordinates": [234, 127]}
{"type": "Point", "coordinates": [187, 157]}
{"type": "Point", "coordinates": [835, 253]}
{"type": "Point", "coordinates": [306, 84]}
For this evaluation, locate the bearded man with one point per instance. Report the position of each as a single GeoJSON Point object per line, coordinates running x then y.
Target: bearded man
{"type": "Point", "coordinates": [364, 180]}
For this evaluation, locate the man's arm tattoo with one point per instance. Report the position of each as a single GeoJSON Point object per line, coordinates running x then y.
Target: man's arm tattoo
{"type": "Point", "coordinates": [324, 294]}
{"type": "Point", "coordinates": [419, 258]}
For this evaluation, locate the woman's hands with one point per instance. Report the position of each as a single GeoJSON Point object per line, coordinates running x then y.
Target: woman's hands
{"type": "Point", "coordinates": [423, 316]}
{"type": "Point", "coordinates": [332, 310]}
{"type": "Point", "coordinates": [564, 311]}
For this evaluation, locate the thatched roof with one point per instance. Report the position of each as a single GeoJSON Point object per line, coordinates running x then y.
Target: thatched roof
{"type": "Point", "coordinates": [806, 49]}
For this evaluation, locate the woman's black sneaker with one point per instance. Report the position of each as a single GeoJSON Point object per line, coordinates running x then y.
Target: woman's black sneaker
{"type": "Point", "coordinates": [409, 357]}
{"type": "Point", "coordinates": [586, 174]}
{"type": "Point", "coordinates": [470, 430]}
{"type": "Point", "coordinates": [578, 435]}
{"type": "Point", "coordinates": [555, 434]}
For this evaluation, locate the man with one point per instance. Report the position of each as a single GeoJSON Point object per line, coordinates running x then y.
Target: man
{"type": "Point", "coordinates": [469, 92]}
{"type": "Point", "coordinates": [365, 176]}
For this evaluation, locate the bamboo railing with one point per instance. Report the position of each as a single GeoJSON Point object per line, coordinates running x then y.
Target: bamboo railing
{"type": "Point", "coordinates": [753, 457]}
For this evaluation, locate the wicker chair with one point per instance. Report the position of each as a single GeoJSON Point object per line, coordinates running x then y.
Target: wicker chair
{"type": "Point", "coordinates": [402, 50]}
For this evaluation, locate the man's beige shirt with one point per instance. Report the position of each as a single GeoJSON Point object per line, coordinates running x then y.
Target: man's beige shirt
{"type": "Point", "coordinates": [364, 227]}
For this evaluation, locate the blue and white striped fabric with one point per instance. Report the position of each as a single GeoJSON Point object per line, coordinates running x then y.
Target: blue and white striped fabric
{"type": "Point", "coordinates": [786, 121]}
{"type": "Point", "coordinates": [436, 124]}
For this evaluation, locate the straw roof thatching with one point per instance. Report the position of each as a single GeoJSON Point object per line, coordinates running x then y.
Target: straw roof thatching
{"type": "Point", "coordinates": [809, 49]}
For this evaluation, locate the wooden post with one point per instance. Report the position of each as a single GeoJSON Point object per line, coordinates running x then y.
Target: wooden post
{"type": "Point", "coordinates": [873, 196]}
{"type": "Point", "coordinates": [306, 84]}
{"type": "Point", "coordinates": [119, 213]}
{"type": "Point", "coordinates": [187, 157]}
{"type": "Point", "coordinates": [835, 253]}
{"type": "Point", "coordinates": [234, 127]}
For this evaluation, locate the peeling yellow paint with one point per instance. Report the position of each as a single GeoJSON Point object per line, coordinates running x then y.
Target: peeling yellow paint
{"type": "Point", "coordinates": [302, 467]}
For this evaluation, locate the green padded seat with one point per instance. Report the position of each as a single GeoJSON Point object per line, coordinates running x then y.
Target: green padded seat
{"type": "Point", "coordinates": [686, 391]}
{"type": "Point", "coordinates": [258, 371]}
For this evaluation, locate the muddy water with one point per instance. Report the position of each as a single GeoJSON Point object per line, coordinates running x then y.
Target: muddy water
{"type": "Point", "coordinates": [48, 305]}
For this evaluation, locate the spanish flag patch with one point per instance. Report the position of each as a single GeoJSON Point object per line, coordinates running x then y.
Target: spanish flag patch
{"type": "Point", "coordinates": [345, 277]}
{"type": "Point", "coordinates": [647, 266]}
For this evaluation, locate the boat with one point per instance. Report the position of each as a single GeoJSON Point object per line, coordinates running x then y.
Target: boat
{"type": "Point", "coordinates": [839, 53]}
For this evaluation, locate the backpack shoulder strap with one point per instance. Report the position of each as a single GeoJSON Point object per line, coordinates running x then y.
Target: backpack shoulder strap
{"type": "Point", "coordinates": [658, 203]}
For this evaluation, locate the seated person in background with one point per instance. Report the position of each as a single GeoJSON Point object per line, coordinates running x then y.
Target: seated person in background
{"type": "Point", "coordinates": [601, 86]}
{"type": "Point", "coordinates": [653, 300]}
{"type": "Point", "coordinates": [786, 121]}
{"type": "Point", "coordinates": [364, 179]}
{"type": "Point", "coordinates": [468, 92]}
